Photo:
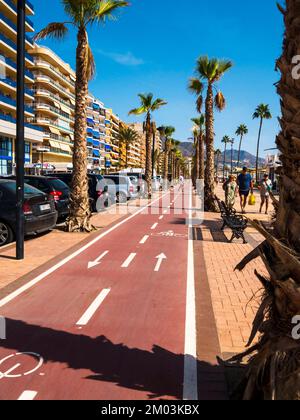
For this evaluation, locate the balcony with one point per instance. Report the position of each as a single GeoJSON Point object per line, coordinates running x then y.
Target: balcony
{"type": "Point", "coordinates": [13, 45]}
{"type": "Point", "coordinates": [13, 103]}
{"type": "Point", "coordinates": [40, 91]}
{"type": "Point", "coordinates": [8, 81]}
{"type": "Point", "coordinates": [48, 121]}
{"type": "Point", "coordinates": [41, 63]}
{"type": "Point", "coordinates": [10, 119]}
{"type": "Point", "coordinates": [41, 106]}
{"type": "Point", "coordinates": [42, 78]}
{"type": "Point", "coordinates": [12, 5]}
{"type": "Point", "coordinates": [12, 64]}
{"type": "Point", "coordinates": [13, 27]}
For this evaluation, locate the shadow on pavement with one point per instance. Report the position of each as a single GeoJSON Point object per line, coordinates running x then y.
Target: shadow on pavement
{"type": "Point", "coordinates": [159, 372]}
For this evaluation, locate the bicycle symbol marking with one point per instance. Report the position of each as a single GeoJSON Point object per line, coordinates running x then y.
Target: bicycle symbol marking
{"type": "Point", "coordinates": [170, 234]}
{"type": "Point", "coordinates": [9, 372]}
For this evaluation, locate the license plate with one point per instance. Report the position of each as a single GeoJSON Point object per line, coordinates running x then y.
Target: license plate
{"type": "Point", "coordinates": [45, 207]}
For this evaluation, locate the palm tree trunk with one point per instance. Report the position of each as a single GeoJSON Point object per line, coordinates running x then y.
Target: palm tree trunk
{"type": "Point", "coordinates": [126, 159]}
{"type": "Point", "coordinates": [148, 172]}
{"type": "Point", "coordinates": [79, 219]}
{"type": "Point", "coordinates": [231, 159]}
{"type": "Point", "coordinates": [258, 147]}
{"type": "Point", "coordinates": [201, 156]}
{"type": "Point", "coordinates": [240, 148]}
{"type": "Point", "coordinates": [209, 195]}
{"type": "Point", "coordinates": [224, 162]}
{"type": "Point", "coordinates": [166, 164]}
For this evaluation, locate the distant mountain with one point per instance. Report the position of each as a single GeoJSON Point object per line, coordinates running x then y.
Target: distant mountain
{"type": "Point", "coordinates": [187, 148]}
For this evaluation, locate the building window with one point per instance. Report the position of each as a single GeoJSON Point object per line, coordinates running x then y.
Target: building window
{"type": "Point", "coordinates": [5, 156]}
{"type": "Point", "coordinates": [27, 152]}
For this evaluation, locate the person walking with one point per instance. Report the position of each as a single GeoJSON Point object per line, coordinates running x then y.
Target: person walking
{"type": "Point", "coordinates": [245, 185]}
{"type": "Point", "coordinates": [265, 188]}
{"type": "Point", "coordinates": [230, 188]}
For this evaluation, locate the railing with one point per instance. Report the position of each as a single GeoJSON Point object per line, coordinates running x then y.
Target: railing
{"type": "Point", "coordinates": [59, 74]}
{"type": "Point", "coordinates": [12, 64]}
{"type": "Point", "coordinates": [13, 102]}
{"type": "Point", "coordinates": [55, 110]}
{"type": "Point", "coordinates": [57, 85]}
{"type": "Point", "coordinates": [58, 99]}
{"type": "Point", "coordinates": [13, 45]}
{"type": "Point", "coordinates": [41, 120]}
{"type": "Point", "coordinates": [8, 118]}
{"type": "Point", "coordinates": [60, 151]}
{"type": "Point", "coordinates": [13, 26]}
{"type": "Point", "coordinates": [57, 138]}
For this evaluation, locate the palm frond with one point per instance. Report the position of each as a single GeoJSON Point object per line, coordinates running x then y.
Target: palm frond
{"type": "Point", "coordinates": [57, 30]}
{"type": "Point", "coordinates": [220, 102]}
{"type": "Point", "coordinates": [103, 10]}
{"type": "Point", "coordinates": [158, 104]}
{"type": "Point", "coordinates": [199, 104]}
{"type": "Point", "coordinates": [137, 111]}
{"type": "Point", "coordinates": [90, 63]}
{"type": "Point", "coordinates": [195, 86]}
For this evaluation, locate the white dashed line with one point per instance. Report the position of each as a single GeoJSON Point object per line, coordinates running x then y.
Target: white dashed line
{"type": "Point", "coordinates": [27, 396]}
{"type": "Point", "coordinates": [154, 226]}
{"type": "Point", "coordinates": [129, 260]}
{"type": "Point", "coordinates": [144, 240]}
{"type": "Point", "coordinates": [86, 317]}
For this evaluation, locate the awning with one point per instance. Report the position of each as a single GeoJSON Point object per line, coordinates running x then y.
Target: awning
{"type": "Point", "coordinates": [71, 136]}
{"type": "Point", "coordinates": [54, 131]}
{"type": "Point", "coordinates": [66, 109]}
{"type": "Point", "coordinates": [54, 144]}
{"type": "Point", "coordinates": [90, 121]}
{"type": "Point", "coordinates": [96, 153]}
{"type": "Point", "coordinates": [57, 104]}
{"type": "Point", "coordinates": [73, 102]}
{"type": "Point", "coordinates": [96, 143]}
{"type": "Point", "coordinates": [65, 147]}
{"type": "Point", "coordinates": [89, 140]}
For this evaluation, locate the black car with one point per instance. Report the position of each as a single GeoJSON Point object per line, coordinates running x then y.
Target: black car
{"type": "Point", "coordinates": [39, 211]}
{"type": "Point", "coordinates": [93, 182]}
{"type": "Point", "coordinates": [53, 187]}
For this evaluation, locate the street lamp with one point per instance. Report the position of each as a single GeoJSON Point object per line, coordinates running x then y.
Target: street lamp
{"type": "Point", "coordinates": [20, 138]}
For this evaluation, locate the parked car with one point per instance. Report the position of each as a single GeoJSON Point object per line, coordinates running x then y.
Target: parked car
{"type": "Point", "coordinates": [137, 178]}
{"type": "Point", "coordinates": [39, 211]}
{"type": "Point", "coordinates": [121, 187]}
{"type": "Point", "coordinates": [94, 193]}
{"type": "Point", "coordinates": [53, 187]}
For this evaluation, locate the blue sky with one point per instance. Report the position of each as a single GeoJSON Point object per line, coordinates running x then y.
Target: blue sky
{"type": "Point", "coordinates": [154, 44]}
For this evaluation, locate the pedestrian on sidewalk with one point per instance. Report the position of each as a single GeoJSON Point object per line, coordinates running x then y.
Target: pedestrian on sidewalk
{"type": "Point", "coordinates": [230, 187]}
{"type": "Point", "coordinates": [245, 185]}
{"type": "Point", "coordinates": [265, 188]}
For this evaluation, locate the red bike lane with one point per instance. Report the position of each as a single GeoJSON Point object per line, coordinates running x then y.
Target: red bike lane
{"type": "Point", "coordinates": [115, 330]}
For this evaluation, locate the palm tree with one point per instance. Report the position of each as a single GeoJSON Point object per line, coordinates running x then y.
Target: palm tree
{"type": "Point", "coordinates": [166, 133]}
{"type": "Point", "coordinates": [241, 131]}
{"type": "Point", "coordinates": [147, 106]}
{"type": "Point", "coordinates": [262, 112]}
{"type": "Point", "coordinates": [174, 154]}
{"type": "Point", "coordinates": [127, 136]}
{"type": "Point", "coordinates": [209, 72]}
{"type": "Point", "coordinates": [82, 14]}
{"type": "Point", "coordinates": [200, 124]}
{"type": "Point", "coordinates": [226, 140]}
{"type": "Point", "coordinates": [218, 154]}
{"type": "Point", "coordinates": [273, 370]}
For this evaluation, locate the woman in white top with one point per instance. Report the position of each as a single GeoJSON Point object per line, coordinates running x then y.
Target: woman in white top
{"type": "Point", "coordinates": [265, 190]}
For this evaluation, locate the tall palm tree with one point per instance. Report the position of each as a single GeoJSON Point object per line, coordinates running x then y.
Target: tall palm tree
{"type": "Point", "coordinates": [209, 72]}
{"type": "Point", "coordinates": [147, 106]}
{"type": "Point", "coordinates": [218, 154]}
{"type": "Point", "coordinates": [200, 124]}
{"type": "Point", "coordinates": [225, 140]}
{"type": "Point", "coordinates": [127, 136]}
{"type": "Point", "coordinates": [241, 131]}
{"type": "Point", "coordinates": [262, 113]}
{"type": "Point", "coordinates": [166, 133]}
{"type": "Point", "coordinates": [273, 371]}
{"type": "Point", "coordinates": [174, 154]}
{"type": "Point", "coordinates": [82, 14]}
{"type": "Point", "coordinates": [196, 158]}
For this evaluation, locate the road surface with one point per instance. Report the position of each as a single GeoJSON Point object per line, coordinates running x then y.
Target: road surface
{"type": "Point", "coordinates": [115, 320]}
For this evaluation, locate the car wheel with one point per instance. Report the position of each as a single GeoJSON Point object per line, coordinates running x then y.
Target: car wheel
{"type": "Point", "coordinates": [6, 234]}
{"type": "Point", "coordinates": [121, 198]}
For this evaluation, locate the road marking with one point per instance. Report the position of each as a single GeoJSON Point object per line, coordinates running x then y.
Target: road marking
{"type": "Point", "coordinates": [90, 312]}
{"type": "Point", "coordinates": [161, 217]}
{"type": "Point", "coordinates": [9, 373]}
{"type": "Point", "coordinates": [190, 385]}
{"type": "Point", "coordinates": [93, 264]}
{"type": "Point", "coordinates": [144, 240]}
{"type": "Point", "coordinates": [27, 396]}
{"type": "Point", "coordinates": [160, 259]}
{"type": "Point", "coordinates": [51, 270]}
{"type": "Point", "coordinates": [129, 260]}
{"type": "Point", "coordinates": [154, 226]}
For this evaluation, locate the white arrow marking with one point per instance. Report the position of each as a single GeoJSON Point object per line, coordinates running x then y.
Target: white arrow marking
{"type": "Point", "coordinates": [93, 264]}
{"type": "Point", "coordinates": [27, 396]}
{"type": "Point", "coordinates": [160, 259]}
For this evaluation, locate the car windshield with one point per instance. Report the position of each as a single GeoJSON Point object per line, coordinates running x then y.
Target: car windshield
{"type": "Point", "coordinates": [28, 190]}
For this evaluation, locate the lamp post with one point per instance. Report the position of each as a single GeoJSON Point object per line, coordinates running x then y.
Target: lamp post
{"type": "Point", "coordinates": [20, 138]}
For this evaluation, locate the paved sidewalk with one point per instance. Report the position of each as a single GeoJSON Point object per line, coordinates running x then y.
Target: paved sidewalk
{"type": "Point", "coordinates": [235, 296]}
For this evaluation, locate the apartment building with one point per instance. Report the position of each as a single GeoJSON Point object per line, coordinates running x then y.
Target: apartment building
{"type": "Point", "coordinates": [112, 158]}
{"type": "Point", "coordinates": [54, 108]}
{"type": "Point", "coordinates": [8, 87]}
{"type": "Point", "coordinates": [96, 134]}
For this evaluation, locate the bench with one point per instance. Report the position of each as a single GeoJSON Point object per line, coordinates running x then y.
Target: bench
{"type": "Point", "coordinates": [237, 223]}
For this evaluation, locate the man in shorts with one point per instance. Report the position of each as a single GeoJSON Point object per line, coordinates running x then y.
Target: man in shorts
{"type": "Point", "coordinates": [245, 184]}
{"type": "Point", "coordinates": [265, 187]}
